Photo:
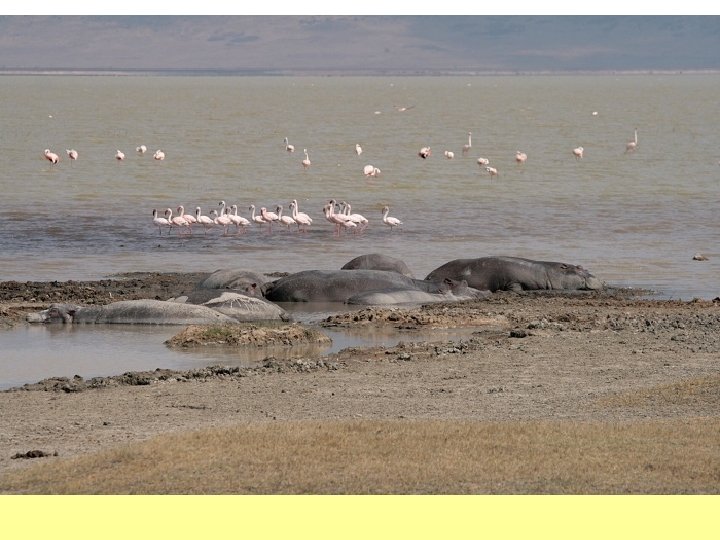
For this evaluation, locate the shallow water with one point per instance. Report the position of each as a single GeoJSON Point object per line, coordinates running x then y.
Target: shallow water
{"type": "Point", "coordinates": [31, 353]}
{"type": "Point", "coordinates": [634, 220]}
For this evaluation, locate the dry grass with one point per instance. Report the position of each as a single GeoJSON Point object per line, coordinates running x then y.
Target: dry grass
{"type": "Point", "coordinates": [696, 392]}
{"type": "Point", "coordinates": [399, 457]}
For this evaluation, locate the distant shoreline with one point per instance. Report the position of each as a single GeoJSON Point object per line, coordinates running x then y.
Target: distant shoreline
{"type": "Point", "coordinates": [191, 72]}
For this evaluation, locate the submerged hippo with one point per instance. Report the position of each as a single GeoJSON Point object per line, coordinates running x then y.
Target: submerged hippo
{"type": "Point", "coordinates": [451, 291]}
{"type": "Point", "coordinates": [242, 281]}
{"type": "Point", "coordinates": [241, 307]}
{"type": "Point", "coordinates": [131, 312]}
{"type": "Point", "coordinates": [376, 261]}
{"type": "Point", "coordinates": [339, 285]}
{"type": "Point", "coordinates": [517, 274]}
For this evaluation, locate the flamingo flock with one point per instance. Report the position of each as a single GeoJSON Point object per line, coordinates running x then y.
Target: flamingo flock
{"type": "Point", "coordinates": [340, 215]}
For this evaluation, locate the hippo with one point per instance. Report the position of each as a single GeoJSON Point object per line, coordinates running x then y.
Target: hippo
{"type": "Point", "coordinates": [451, 291]}
{"type": "Point", "coordinates": [376, 261]}
{"type": "Point", "coordinates": [339, 285]}
{"type": "Point", "coordinates": [517, 274]}
{"type": "Point", "coordinates": [131, 312]}
{"type": "Point", "coordinates": [242, 281]}
{"type": "Point", "coordinates": [239, 306]}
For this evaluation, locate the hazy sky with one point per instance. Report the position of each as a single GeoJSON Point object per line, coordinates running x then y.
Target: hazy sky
{"type": "Point", "coordinates": [338, 42]}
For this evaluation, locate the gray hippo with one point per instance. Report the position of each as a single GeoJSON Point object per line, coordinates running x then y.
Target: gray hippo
{"type": "Point", "coordinates": [242, 281]}
{"type": "Point", "coordinates": [241, 307]}
{"type": "Point", "coordinates": [450, 291]}
{"type": "Point", "coordinates": [517, 274]}
{"type": "Point", "coordinates": [376, 261]}
{"type": "Point", "coordinates": [131, 312]}
{"type": "Point", "coordinates": [339, 285]}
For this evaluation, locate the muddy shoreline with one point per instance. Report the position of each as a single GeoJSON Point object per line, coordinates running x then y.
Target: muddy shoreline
{"type": "Point", "coordinates": [596, 357]}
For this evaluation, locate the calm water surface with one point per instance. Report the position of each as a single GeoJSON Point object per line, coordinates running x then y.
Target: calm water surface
{"type": "Point", "coordinates": [634, 220]}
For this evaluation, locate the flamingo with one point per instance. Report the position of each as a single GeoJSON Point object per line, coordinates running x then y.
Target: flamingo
{"type": "Point", "coordinates": [492, 170]}
{"type": "Point", "coordinates": [72, 154]}
{"type": "Point", "coordinates": [52, 157]}
{"type": "Point", "coordinates": [303, 220]}
{"type": "Point", "coordinates": [255, 219]}
{"type": "Point", "coordinates": [360, 220]}
{"type": "Point", "coordinates": [578, 152]}
{"type": "Point", "coordinates": [336, 219]}
{"type": "Point", "coordinates": [205, 221]}
{"type": "Point", "coordinates": [159, 155]}
{"type": "Point", "coordinates": [371, 170]}
{"type": "Point", "coordinates": [285, 220]}
{"type": "Point", "coordinates": [269, 217]}
{"type": "Point", "coordinates": [425, 152]}
{"type": "Point", "coordinates": [449, 154]}
{"type": "Point", "coordinates": [631, 146]}
{"type": "Point", "coordinates": [119, 155]}
{"type": "Point", "coordinates": [289, 147]}
{"type": "Point", "coordinates": [391, 222]}
{"type": "Point", "coordinates": [239, 221]}
{"type": "Point", "coordinates": [298, 213]}
{"type": "Point", "coordinates": [222, 220]}
{"type": "Point", "coordinates": [468, 146]}
{"type": "Point", "coordinates": [520, 157]}
{"type": "Point", "coordinates": [178, 221]}
{"type": "Point", "coordinates": [483, 161]}
{"type": "Point", "coordinates": [160, 221]}
{"type": "Point", "coordinates": [141, 149]}
{"type": "Point", "coordinates": [187, 217]}
{"type": "Point", "coordinates": [358, 149]}
{"type": "Point", "coordinates": [306, 162]}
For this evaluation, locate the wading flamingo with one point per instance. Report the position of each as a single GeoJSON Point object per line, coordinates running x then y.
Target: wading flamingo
{"type": "Point", "coordinates": [52, 157]}
{"type": "Point", "coordinates": [178, 221]}
{"type": "Point", "coordinates": [483, 161]}
{"type": "Point", "coordinates": [631, 146]}
{"type": "Point", "coordinates": [222, 220]}
{"type": "Point", "coordinates": [449, 154]}
{"type": "Point", "coordinates": [119, 155]}
{"type": "Point", "coordinates": [359, 220]}
{"type": "Point", "coordinates": [285, 220]}
{"type": "Point", "coordinates": [159, 155]}
{"type": "Point", "coordinates": [425, 152]}
{"type": "Point", "coordinates": [578, 152]}
{"type": "Point", "coordinates": [302, 219]}
{"type": "Point", "coordinates": [72, 154]}
{"type": "Point", "coordinates": [358, 149]}
{"type": "Point", "coordinates": [205, 221]}
{"type": "Point", "coordinates": [492, 170]}
{"type": "Point", "coordinates": [289, 147]}
{"type": "Point", "coordinates": [160, 222]}
{"type": "Point", "coordinates": [391, 222]}
{"type": "Point", "coordinates": [520, 157]}
{"type": "Point", "coordinates": [255, 219]}
{"type": "Point", "coordinates": [141, 149]}
{"type": "Point", "coordinates": [306, 161]}
{"type": "Point", "coordinates": [371, 170]}
{"type": "Point", "coordinates": [466, 148]}
{"type": "Point", "coordinates": [187, 217]}
{"type": "Point", "coordinates": [269, 217]}
{"type": "Point", "coordinates": [238, 220]}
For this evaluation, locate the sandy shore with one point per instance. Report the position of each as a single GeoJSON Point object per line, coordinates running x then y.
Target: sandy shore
{"type": "Point", "coordinates": [576, 357]}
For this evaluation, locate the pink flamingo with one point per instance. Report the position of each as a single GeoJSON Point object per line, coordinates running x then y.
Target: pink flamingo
{"type": "Point", "coordinates": [285, 220]}
{"type": "Point", "coordinates": [520, 157]}
{"type": "Point", "coordinates": [161, 222]}
{"type": "Point", "coordinates": [631, 146]}
{"type": "Point", "coordinates": [578, 152]}
{"type": "Point", "coordinates": [332, 217]}
{"type": "Point", "coordinates": [239, 221]}
{"type": "Point", "coordinates": [203, 220]}
{"type": "Point", "coordinates": [371, 170]}
{"type": "Point", "coordinates": [483, 161]}
{"type": "Point", "coordinates": [359, 220]}
{"type": "Point", "coordinates": [178, 221]}
{"type": "Point", "coordinates": [187, 217]}
{"type": "Point", "coordinates": [425, 152]}
{"type": "Point", "coordinates": [306, 162]}
{"type": "Point", "coordinates": [269, 217]}
{"type": "Point", "coordinates": [302, 219]}
{"type": "Point", "coordinates": [159, 155]}
{"type": "Point", "coordinates": [72, 154]}
{"type": "Point", "coordinates": [52, 157]}
{"type": "Point", "coordinates": [449, 154]}
{"type": "Point", "coordinates": [255, 219]}
{"type": "Point", "coordinates": [289, 147]}
{"type": "Point", "coordinates": [492, 170]}
{"type": "Point", "coordinates": [119, 155]}
{"type": "Point", "coordinates": [391, 222]}
{"type": "Point", "coordinates": [221, 220]}
{"type": "Point", "coordinates": [466, 148]}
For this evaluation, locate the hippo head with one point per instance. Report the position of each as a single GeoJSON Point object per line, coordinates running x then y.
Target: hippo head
{"type": "Point", "coordinates": [56, 313]}
{"type": "Point", "coordinates": [572, 277]}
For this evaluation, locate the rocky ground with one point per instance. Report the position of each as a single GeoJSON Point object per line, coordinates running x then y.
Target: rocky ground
{"type": "Point", "coordinates": [580, 357]}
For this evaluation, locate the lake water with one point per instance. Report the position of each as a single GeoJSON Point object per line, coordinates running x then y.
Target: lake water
{"type": "Point", "coordinates": [633, 219]}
